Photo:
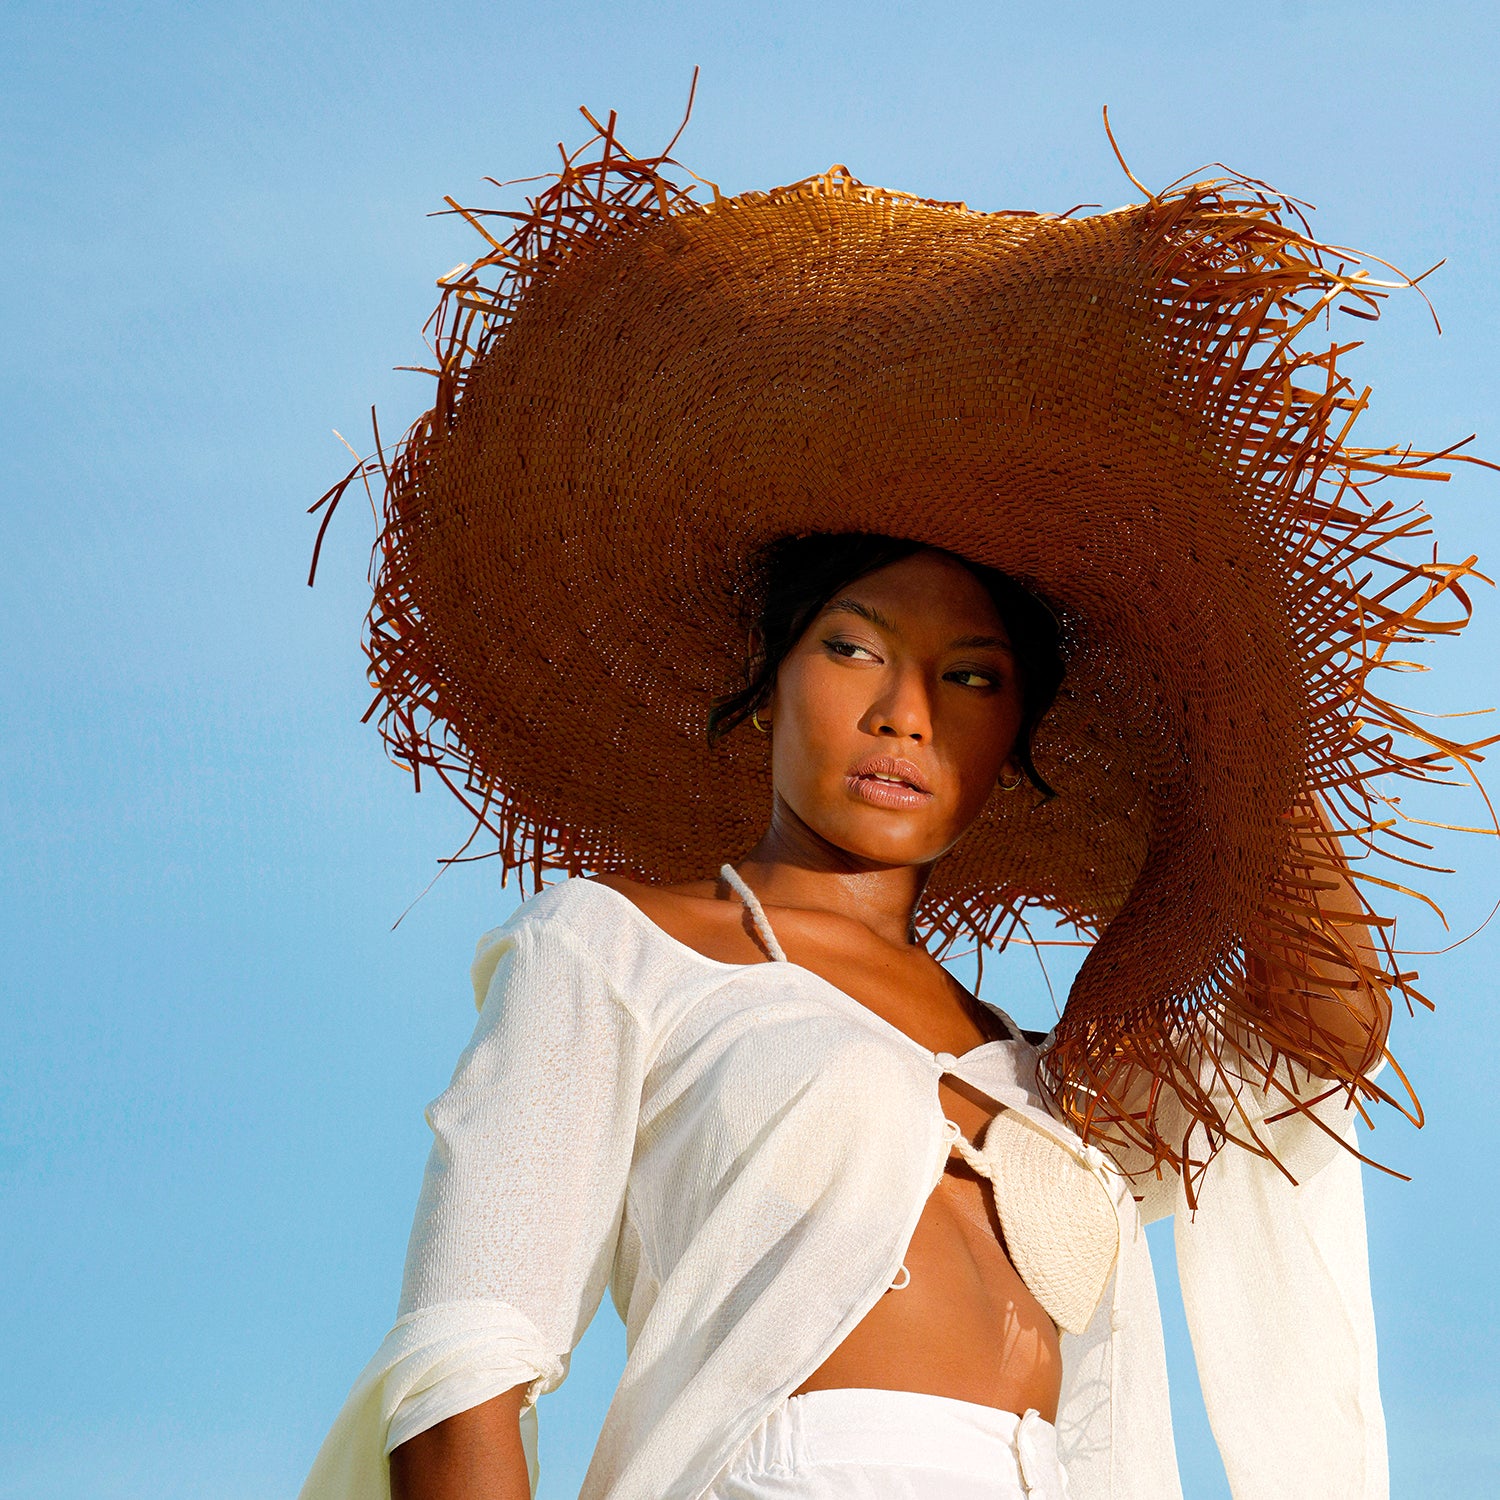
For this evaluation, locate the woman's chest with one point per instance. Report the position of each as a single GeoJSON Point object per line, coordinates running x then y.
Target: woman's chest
{"type": "Point", "coordinates": [772, 1088]}
{"type": "Point", "coordinates": [779, 1074]}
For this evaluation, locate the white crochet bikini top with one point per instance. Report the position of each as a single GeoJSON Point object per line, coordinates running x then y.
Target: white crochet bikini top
{"type": "Point", "coordinates": [1051, 1192]}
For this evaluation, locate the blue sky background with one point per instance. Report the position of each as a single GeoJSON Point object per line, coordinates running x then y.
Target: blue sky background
{"type": "Point", "coordinates": [215, 249]}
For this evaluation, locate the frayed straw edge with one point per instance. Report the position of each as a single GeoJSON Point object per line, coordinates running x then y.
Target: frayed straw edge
{"type": "Point", "coordinates": [1295, 441]}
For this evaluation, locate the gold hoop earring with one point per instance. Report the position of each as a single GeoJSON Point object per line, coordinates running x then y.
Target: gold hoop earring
{"type": "Point", "coordinates": [755, 720]}
{"type": "Point", "coordinates": [1010, 786]}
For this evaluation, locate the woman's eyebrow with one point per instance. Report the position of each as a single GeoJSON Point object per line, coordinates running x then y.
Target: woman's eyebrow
{"type": "Point", "coordinates": [864, 611]}
{"type": "Point", "coordinates": [981, 642]}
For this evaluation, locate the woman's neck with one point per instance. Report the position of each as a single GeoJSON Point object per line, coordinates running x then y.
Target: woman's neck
{"type": "Point", "coordinates": [792, 866]}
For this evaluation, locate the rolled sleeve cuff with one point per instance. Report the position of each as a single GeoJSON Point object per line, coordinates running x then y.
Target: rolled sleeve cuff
{"type": "Point", "coordinates": [450, 1358]}
{"type": "Point", "coordinates": [434, 1363]}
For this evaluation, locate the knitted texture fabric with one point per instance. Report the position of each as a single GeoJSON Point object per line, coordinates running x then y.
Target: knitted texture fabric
{"type": "Point", "coordinates": [740, 1155]}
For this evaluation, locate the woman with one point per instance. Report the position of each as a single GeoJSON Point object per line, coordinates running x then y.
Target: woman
{"type": "Point", "coordinates": [867, 1238]}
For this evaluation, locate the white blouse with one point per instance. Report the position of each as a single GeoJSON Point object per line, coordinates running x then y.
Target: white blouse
{"type": "Point", "coordinates": [741, 1152]}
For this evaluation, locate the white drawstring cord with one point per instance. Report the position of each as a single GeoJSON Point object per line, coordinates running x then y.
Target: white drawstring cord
{"type": "Point", "coordinates": [958, 1142]}
{"type": "Point", "coordinates": [757, 912]}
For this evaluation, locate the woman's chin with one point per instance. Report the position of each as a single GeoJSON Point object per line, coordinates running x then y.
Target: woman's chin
{"type": "Point", "coordinates": [885, 839]}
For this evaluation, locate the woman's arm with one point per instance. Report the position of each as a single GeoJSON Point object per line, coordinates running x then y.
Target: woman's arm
{"type": "Point", "coordinates": [476, 1455]}
{"type": "Point", "coordinates": [1336, 1028]}
{"type": "Point", "coordinates": [514, 1237]}
{"type": "Point", "coordinates": [516, 1228]}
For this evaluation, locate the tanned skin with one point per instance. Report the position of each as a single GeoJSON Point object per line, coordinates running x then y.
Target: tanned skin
{"type": "Point", "coordinates": [911, 661]}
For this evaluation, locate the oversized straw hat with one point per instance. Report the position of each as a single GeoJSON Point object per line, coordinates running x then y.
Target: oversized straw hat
{"type": "Point", "coordinates": [1141, 415]}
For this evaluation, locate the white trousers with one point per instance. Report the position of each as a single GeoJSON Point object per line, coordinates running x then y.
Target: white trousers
{"type": "Point", "coordinates": [893, 1445]}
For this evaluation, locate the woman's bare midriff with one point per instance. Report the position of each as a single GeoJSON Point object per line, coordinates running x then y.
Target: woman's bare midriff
{"type": "Point", "coordinates": [965, 1325]}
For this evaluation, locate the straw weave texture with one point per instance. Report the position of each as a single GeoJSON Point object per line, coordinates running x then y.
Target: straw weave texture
{"type": "Point", "coordinates": [1141, 415]}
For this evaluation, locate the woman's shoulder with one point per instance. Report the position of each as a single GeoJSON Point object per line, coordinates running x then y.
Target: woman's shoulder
{"type": "Point", "coordinates": [596, 924]}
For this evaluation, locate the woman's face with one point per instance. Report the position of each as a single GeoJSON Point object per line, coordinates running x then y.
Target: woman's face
{"type": "Point", "coordinates": [896, 712]}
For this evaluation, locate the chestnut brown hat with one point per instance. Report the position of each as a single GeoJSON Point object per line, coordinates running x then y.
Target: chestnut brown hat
{"type": "Point", "coordinates": [1140, 415]}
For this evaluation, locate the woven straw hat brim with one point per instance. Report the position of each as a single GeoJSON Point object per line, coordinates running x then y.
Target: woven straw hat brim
{"type": "Point", "coordinates": [716, 381]}
{"type": "Point", "coordinates": [1112, 410]}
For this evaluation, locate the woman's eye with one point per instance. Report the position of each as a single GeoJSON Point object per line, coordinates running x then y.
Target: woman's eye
{"type": "Point", "coordinates": [976, 679]}
{"type": "Point", "coordinates": [845, 648]}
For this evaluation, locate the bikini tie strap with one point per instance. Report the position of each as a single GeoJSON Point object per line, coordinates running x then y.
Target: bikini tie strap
{"type": "Point", "coordinates": [757, 912]}
{"type": "Point", "coordinates": [959, 1145]}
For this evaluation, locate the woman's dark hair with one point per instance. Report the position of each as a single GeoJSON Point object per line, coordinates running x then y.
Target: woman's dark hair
{"type": "Point", "coordinates": [803, 573]}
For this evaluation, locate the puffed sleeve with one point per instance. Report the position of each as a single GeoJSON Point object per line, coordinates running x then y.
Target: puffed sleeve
{"type": "Point", "coordinates": [1275, 1282]}
{"type": "Point", "coordinates": [520, 1206]}
{"type": "Point", "coordinates": [1275, 1285]}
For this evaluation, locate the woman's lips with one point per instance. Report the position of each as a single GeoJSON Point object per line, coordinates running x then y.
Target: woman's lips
{"type": "Point", "coordinates": [884, 781]}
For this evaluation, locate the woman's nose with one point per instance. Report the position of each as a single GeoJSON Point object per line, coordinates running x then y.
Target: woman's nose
{"type": "Point", "coordinates": [903, 711]}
